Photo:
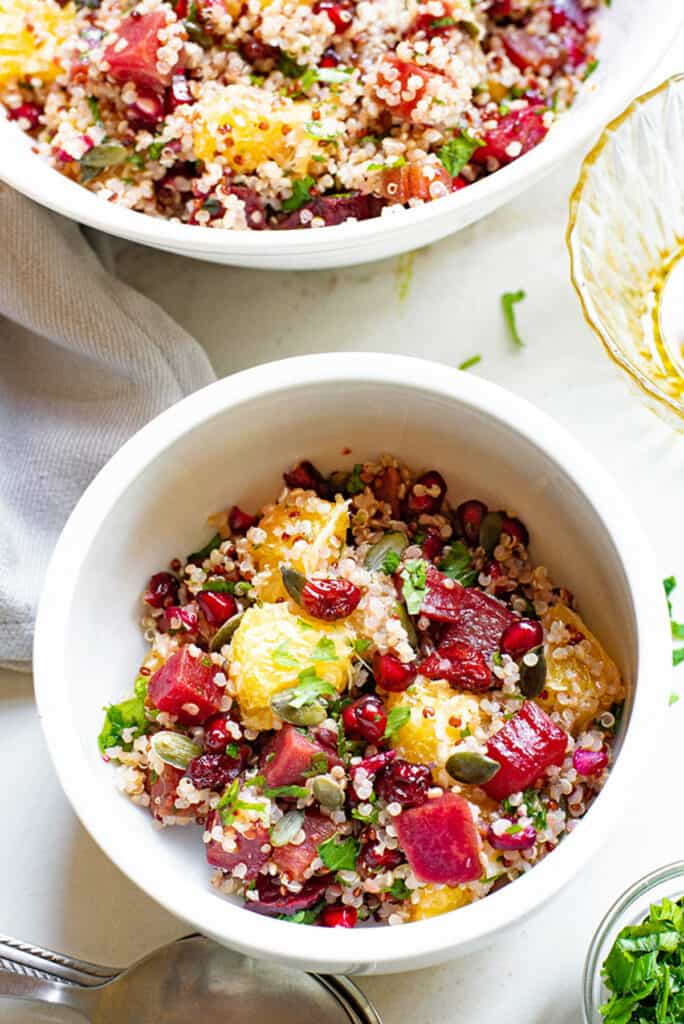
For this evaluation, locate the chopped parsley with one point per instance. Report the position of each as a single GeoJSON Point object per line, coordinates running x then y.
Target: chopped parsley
{"type": "Point", "coordinates": [536, 809]}
{"type": "Point", "coordinates": [324, 650]}
{"type": "Point", "coordinates": [333, 76]}
{"type": "Point", "coordinates": [199, 556]}
{"type": "Point", "coordinates": [361, 645]}
{"type": "Point", "coordinates": [303, 916]}
{"type": "Point", "coordinates": [301, 193]}
{"type": "Point", "coordinates": [339, 855]}
{"type": "Point", "coordinates": [391, 563]}
{"type": "Point", "coordinates": [446, 22]}
{"type": "Point", "coordinates": [355, 484]}
{"type": "Point", "coordinates": [230, 803]}
{"type": "Point", "coordinates": [289, 67]}
{"type": "Point", "coordinates": [508, 300]}
{"type": "Point", "coordinates": [95, 110]}
{"type": "Point", "coordinates": [456, 153]}
{"type": "Point", "coordinates": [396, 720]}
{"type": "Point", "coordinates": [232, 750]}
{"type": "Point", "coordinates": [673, 698]}
{"type": "Point", "coordinates": [676, 628]}
{"type": "Point", "coordinates": [316, 131]}
{"type": "Point", "coordinates": [590, 68]}
{"type": "Point", "coordinates": [282, 658]}
{"type": "Point", "coordinates": [310, 688]}
{"type": "Point", "coordinates": [399, 162]}
{"type": "Point", "coordinates": [154, 151]}
{"type": "Point", "coordinates": [399, 889]}
{"type": "Point", "coordinates": [368, 819]}
{"type": "Point", "coordinates": [219, 585]}
{"type": "Point", "coordinates": [455, 564]}
{"type": "Point", "coordinates": [129, 714]}
{"type": "Point", "coordinates": [304, 625]}
{"type": "Point", "coordinates": [470, 362]}
{"type": "Point", "coordinates": [289, 792]}
{"type": "Point", "coordinates": [414, 588]}
{"type": "Point", "coordinates": [319, 765]}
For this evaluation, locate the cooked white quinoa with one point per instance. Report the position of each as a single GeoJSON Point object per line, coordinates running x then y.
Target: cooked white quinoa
{"type": "Point", "coordinates": [275, 845]}
{"type": "Point", "coordinates": [248, 114]}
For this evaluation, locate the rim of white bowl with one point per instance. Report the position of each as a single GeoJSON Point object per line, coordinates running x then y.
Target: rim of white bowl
{"type": "Point", "coordinates": [360, 949]}
{"type": "Point", "coordinates": [507, 181]}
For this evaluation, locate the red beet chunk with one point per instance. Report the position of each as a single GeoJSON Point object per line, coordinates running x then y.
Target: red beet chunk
{"type": "Point", "coordinates": [137, 61]}
{"type": "Point", "coordinates": [440, 841]}
{"type": "Point", "coordinates": [528, 51]}
{"type": "Point", "coordinates": [162, 790]}
{"type": "Point", "coordinates": [481, 622]}
{"type": "Point", "coordinates": [391, 70]}
{"type": "Point", "coordinates": [178, 93]}
{"type": "Point", "coordinates": [568, 12]}
{"type": "Point", "coordinates": [444, 597]}
{"type": "Point", "coordinates": [335, 210]}
{"type": "Point", "coordinates": [292, 756]}
{"type": "Point", "coordinates": [294, 860]}
{"type": "Point", "coordinates": [274, 899]}
{"type": "Point", "coordinates": [185, 680]}
{"type": "Point", "coordinates": [524, 126]}
{"type": "Point", "coordinates": [525, 747]}
{"type": "Point", "coordinates": [248, 849]}
{"type": "Point", "coordinates": [413, 181]}
{"type": "Point", "coordinates": [461, 665]}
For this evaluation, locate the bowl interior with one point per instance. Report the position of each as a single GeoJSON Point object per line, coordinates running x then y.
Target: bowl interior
{"type": "Point", "coordinates": [237, 455]}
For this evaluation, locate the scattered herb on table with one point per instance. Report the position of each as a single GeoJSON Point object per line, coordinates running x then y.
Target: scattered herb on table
{"type": "Point", "coordinates": [676, 628]}
{"type": "Point", "coordinates": [590, 69]}
{"type": "Point", "coordinates": [508, 300]}
{"type": "Point", "coordinates": [468, 363]}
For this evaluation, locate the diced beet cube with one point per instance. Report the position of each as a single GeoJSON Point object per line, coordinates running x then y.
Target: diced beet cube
{"type": "Point", "coordinates": [524, 126]}
{"type": "Point", "coordinates": [162, 789]}
{"type": "Point", "coordinates": [528, 51]}
{"type": "Point", "coordinates": [443, 598]}
{"type": "Point", "coordinates": [292, 756]}
{"type": "Point", "coordinates": [481, 622]}
{"type": "Point", "coordinates": [440, 841]}
{"type": "Point", "coordinates": [184, 683]}
{"type": "Point", "coordinates": [275, 899]}
{"type": "Point", "coordinates": [525, 747]}
{"type": "Point", "coordinates": [294, 860]}
{"type": "Point", "coordinates": [137, 60]}
{"type": "Point", "coordinates": [248, 849]}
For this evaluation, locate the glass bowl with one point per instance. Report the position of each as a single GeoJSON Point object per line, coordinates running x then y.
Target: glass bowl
{"type": "Point", "coordinates": [631, 908]}
{"type": "Point", "coordinates": [626, 237]}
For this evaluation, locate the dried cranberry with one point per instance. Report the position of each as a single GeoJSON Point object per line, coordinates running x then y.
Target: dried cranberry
{"type": "Point", "coordinates": [214, 771]}
{"type": "Point", "coordinates": [391, 674]}
{"type": "Point", "coordinates": [253, 50]}
{"type": "Point", "coordinates": [365, 719]}
{"type": "Point", "coordinates": [178, 93]}
{"type": "Point", "coordinates": [147, 111]}
{"type": "Point", "coordinates": [372, 765]}
{"type": "Point", "coordinates": [339, 13]}
{"type": "Point", "coordinates": [461, 665]}
{"type": "Point", "coordinates": [217, 607]}
{"type": "Point", "coordinates": [433, 544]}
{"type": "Point", "coordinates": [29, 112]}
{"type": "Point", "coordinates": [404, 783]}
{"type": "Point", "coordinates": [589, 762]}
{"type": "Point", "coordinates": [330, 599]}
{"type": "Point", "coordinates": [239, 521]}
{"type": "Point", "coordinates": [515, 529]}
{"type": "Point", "coordinates": [339, 917]}
{"type": "Point", "coordinates": [276, 899]}
{"type": "Point", "coordinates": [470, 515]}
{"type": "Point", "coordinates": [329, 59]}
{"type": "Point", "coordinates": [427, 494]}
{"type": "Point", "coordinates": [372, 859]}
{"type": "Point", "coordinates": [306, 476]}
{"type": "Point", "coordinates": [162, 590]}
{"type": "Point", "coordinates": [522, 840]}
{"type": "Point", "coordinates": [521, 637]}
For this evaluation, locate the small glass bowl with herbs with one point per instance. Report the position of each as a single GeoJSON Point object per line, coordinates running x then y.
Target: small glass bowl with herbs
{"type": "Point", "coordinates": [634, 971]}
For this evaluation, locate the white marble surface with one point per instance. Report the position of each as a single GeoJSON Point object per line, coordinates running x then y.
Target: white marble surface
{"type": "Point", "coordinates": [59, 890]}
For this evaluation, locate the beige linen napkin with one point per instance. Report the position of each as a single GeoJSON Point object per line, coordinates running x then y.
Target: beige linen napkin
{"type": "Point", "coordinates": [84, 362]}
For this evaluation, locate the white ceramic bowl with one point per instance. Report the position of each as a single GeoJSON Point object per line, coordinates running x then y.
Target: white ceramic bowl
{"type": "Point", "coordinates": [229, 444]}
{"type": "Point", "coordinates": [634, 35]}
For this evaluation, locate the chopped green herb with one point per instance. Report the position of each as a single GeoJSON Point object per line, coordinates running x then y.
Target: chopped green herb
{"type": "Point", "coordinates": [304, 625]}
{"type": "Point", "coordinates": [590, 68]}
{"type": "Point", "coordinates": [303, 916]}
{"type": "Point", "coordinates": [368, 819]}
{"type": "Point", "coordinates": [137, 160]}
{"type": "Point", "coordinates": [396, 719]}
{"type": "Point", "coordinates": [678, 656]}
{"type": "Point", "coordinates": [676, 628]}
{"type": "Point", "coordinates": [445, 22]}
{"type": "Point", "coordinates": [219, 585]}
{"type": "Point", "coordinates": [414, 588]}
{"type": "Point", "coordinates": [496, 658]}
{"type": "Point", "coordinates": [154, 151]}
{"type": "Point", "coordinates": [289, 67]}
{"type": "Point", "coordinates": [232, 750]}
{"type": "Point", "coordinates": [339, 855]}
{"type": "Point", "coordinates": [282, 657]}
{"type": "Point", "coordinates": [456, 153]}
{"type": "Point", "coordinates": [536, 809]}
{"type": "Point", "coordinates": [674, 697]}
{"type": "Point", "coordinates": [290, 792]}
{"type": "Point", "coordinates": [95, 110]}
{"type": "Point", "coordinates": [355, 484]}
{"type": "Point", "coordinates": [508, 299]}
{"type": "Point", "coordinates": [468, 363]}
{"type": "Point", "coordinates": [256, 79]}
{"type": "Point", "coordinates": [310, 688]}
{"type": "Point", "coordinates": [456, 564]}
{"type": "Point", "coordinates": [465, 732]}
{"type": "Point", "coordinates": [129, 714]}
{"type": "Point", "coordinates": [391, 563]}
{"type": "Point", "coordinates": [319, 765]}
{"type": "Point", "coordinates": [316, 131]}
{"type": "Point", "coordinates": [199, 556]}
{"type": "Point", "coordinates": [301, 193]}
{"type": "Point", "coordinates": [399, 889]}
{"type": "Point", "coordinates": [361, 645]}
{"type": "Point", "coordinates": [334, 76]}
{"type": "Point", "coordinates": [230, 803]}
{"type": "Point", "coordinates": [399, 162]}
{"type": "Point", "coordinates": [324, 650]}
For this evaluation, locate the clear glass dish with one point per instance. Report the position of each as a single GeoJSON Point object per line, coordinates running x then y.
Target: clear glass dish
{"type": "Point", "coordinates": [631, 908]}
{"type": "Point", "coordinates": [626, 243]}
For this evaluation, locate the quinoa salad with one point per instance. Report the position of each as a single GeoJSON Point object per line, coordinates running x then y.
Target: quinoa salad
{"type": "Point", "coordinates": [368, 702]}
{"type": "Point", "coordinates": [256, 114]}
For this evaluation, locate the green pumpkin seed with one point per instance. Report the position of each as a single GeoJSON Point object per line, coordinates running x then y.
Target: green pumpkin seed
{"type": "Point", "coordinates": [396, 542]}
{"type": "Point", "coordinates": [285, 706]}
{"type": "Point", "coordinates": [293, 582]}
{"type": "Point", "coordinates": [490, 531]}
{"type": "Point", "coordinates": [175, 749]}
{"type": "Point", "coordinates": [99, 158]}
{"type": "Point", "coordinates": [284, 831]}
{"type": "Point", "coordinates": [338, 481]}
{"type": "Point", "coordinates": [225, 632]}
{"type": "Point", "coordinates": [407, 623]}
{"type": "Point", "coordinates": [328, 793]}
{"type": "Point", "coordinates": [470, 767]}
{"type": "Point", "coordinates": [533, 677]}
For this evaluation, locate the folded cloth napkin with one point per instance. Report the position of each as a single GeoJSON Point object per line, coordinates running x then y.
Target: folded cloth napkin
{"type": "Point", "coordinates": [84, 362]}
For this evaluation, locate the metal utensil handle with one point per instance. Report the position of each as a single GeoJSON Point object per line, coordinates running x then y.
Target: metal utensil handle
{"type": "Point", "coordinates": [30, 972]}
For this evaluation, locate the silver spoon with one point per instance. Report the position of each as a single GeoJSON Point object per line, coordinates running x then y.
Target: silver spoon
{"type": "Point", "coordinates": [190, 976]}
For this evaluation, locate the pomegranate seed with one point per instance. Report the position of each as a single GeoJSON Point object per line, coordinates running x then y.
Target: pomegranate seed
{"type": "Point", "coordinates": [427, 503]}
{"type": "Point", "coordinates": [515, 529]}
{"type": "Point", "coordinates": [147, 111]}
{"type": "Point", "coordinates": [433, 544]}
{"type": "Point", "coordinates": [458, 183]}
{"type": "Point", "coordinates": [329, 59]}
{"type": "Point", "coordinates": [330, 599]}
{"type": "Point", "coordinates": [391, 674]}
{"type": "Point", "coordinates": [339, 917]}
{"type": "Point", "coordinates": [464, 667]}
{"type": "Point", "coordinates": [239, 521]}
{"type": "Point", "coordinates": [404, 783]}
{"type": "Point", "coordinates": [589, 762]}
{"type": "Point", "coordinates": [365, 719]}
{"type": "Point", "coordinates": [217, 608]}
{"type": "Point", "coordinates": [26, 112]}
{"type": "Point", "coordinates": [521, 637]}
{"type": "Point", "coordinates": [178, 93]}
{"type": "Point", "coordinates": [306, 476]}
{"type": "Point", "coordinates": [181, 618]}
{"type": "Point", "coordinates": [371, 859]}
{"type": "Point", "coordinates": [181, 8]}
{"type": "Point", "coordinates": [162, 590]}
{"type": "Point", "coordinates": [568, 12]}
{"type": "Point", "coordinates": [339, 14]}
{"type": "Point", "coordinates": [216, 734]}
{"type": "Point", "coordinates": [470, 515]}
{"type": "Point", "coordinates": [521, 840]}
{"type": "Point", "coordinates": [214, 771]}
